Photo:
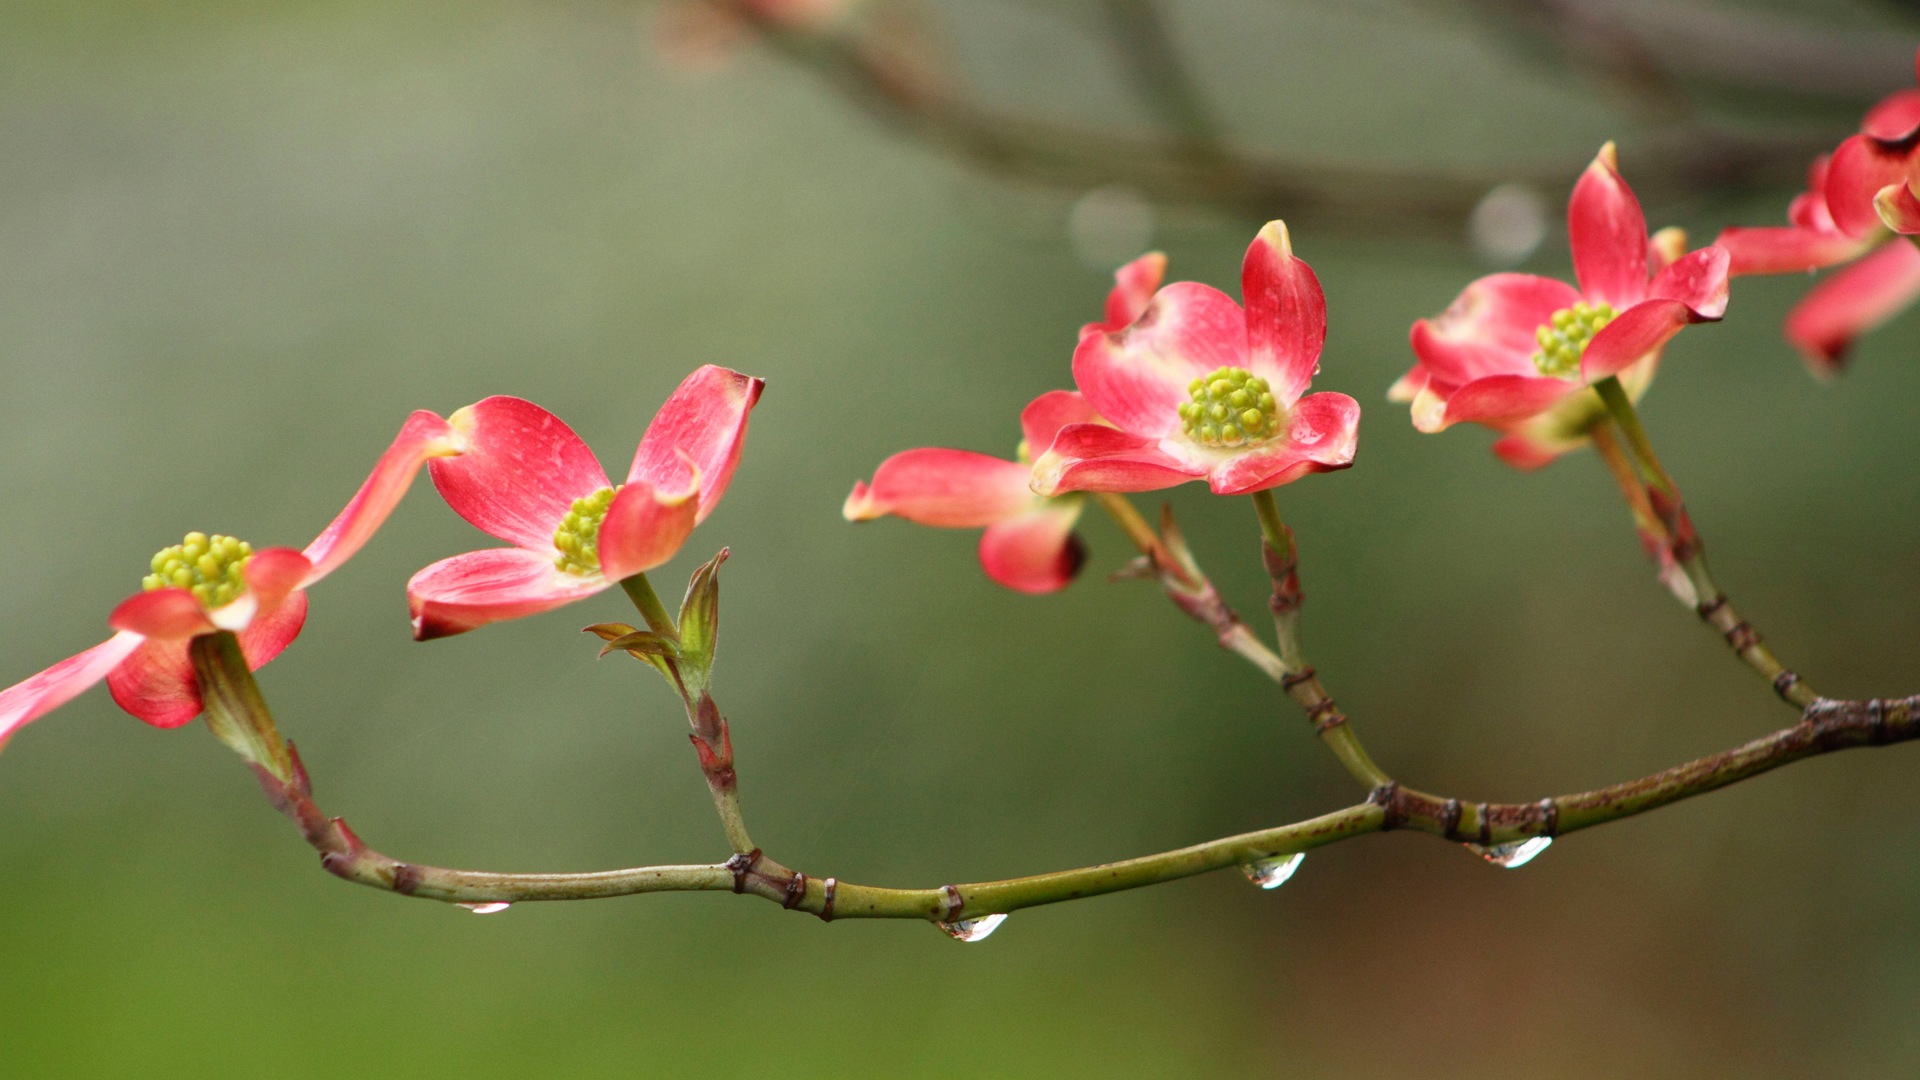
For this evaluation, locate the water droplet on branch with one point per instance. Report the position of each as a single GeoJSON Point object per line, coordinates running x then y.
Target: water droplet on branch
{"type": "Point", "coordinates": [973, 929]}
{"type": "Point", "coordinates": [494, 908]}
{"type": "Point", "coordinates": [1514, 855]}
{"type": "Point", "coordinates": [1275, 872]}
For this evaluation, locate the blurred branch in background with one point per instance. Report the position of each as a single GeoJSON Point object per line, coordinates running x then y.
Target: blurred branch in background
{"type": "Point", "coordinates": [1662, 63]}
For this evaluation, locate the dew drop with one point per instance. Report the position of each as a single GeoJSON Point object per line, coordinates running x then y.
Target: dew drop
{"type": "Point", "coordinates": [1514, 855]}
{"type": "Point", "coordinates": [1275, 872]}
{"type": "Point", "coordinates": [493, 908]}
{"type": "Point", "coordinates": [973, 929]}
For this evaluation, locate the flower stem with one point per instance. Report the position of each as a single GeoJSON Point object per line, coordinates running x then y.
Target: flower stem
{"type": "Point", "coordinates": [1655, 499]}
{"type": "Point", "coordinates": [1301, 682]}
{"type": "Point", "coordinates": [1128, 517]}
{"type": "Point", "coordinates": [651, 609]}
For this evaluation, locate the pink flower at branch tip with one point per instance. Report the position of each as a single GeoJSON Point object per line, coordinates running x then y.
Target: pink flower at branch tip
{"type": "Point", "coordinates": [1518, 353]}
{"type": "Point", "coordinates": [1196, 388]}
{"type": "Point", "coordinates": [1857, 199]}
{"type": "Point", "coordinates": [1029, 544]}
{"type": "Point", "coordinates": [206, 584]}
{"type": "Point", "coordinates": [526, 478]}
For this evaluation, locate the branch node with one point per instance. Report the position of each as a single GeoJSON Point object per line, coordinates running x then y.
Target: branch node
{"type": "Point", "coordinates": [1325, 716]}
{"type": "Point", "coordinates": [406, 878]}
{"type": "Point", "coordinates": [796, 891]}
{"type": "Point", "coordinates": [1387, 798]}
{"type": "Point", "coordinates": [1709, 608]}
{"type": "Point", "coordinates": [742, 866]}
{"type": "Point", "coordinates": [826, 908]}
{"type": "Point", "coordinates": [1548, 812]}
{"type": "Point", "coordinates": [1784, 683]}
{"type": "Point", "coordinates": [1485, 814]}
{"type": "Point", "coordinates": [952, 903]}
{"type": "Point", "coordinates": [1742, 636]}
{"type": "Point", "coordinates": [1295, 678]}
{"type": "Point", "coordinates": [1450, 817]}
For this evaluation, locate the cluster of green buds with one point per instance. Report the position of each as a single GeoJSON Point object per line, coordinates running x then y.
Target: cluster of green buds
{"type": "Point", "coordinates": [1230, 407]}
{"type": "Point", "coordinates": [578, 537]}
{"type": "Point", "coordinates": [212, 568]}
{"type": "Point", "coordinates": [1564, 337]}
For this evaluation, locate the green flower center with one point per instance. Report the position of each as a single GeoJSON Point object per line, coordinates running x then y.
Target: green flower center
{"type": "Point", "coordinates": [1564, 337]}
{"type": "Point", "coordinates": [212, 568]}
{"type": "Point", "coordinates": [1230, 407]}
{"type": "Point", "coordinates": [578, 536]}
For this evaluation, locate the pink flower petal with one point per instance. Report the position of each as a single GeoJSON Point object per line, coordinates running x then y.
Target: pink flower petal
{"type": "Point", "coordinates": [1698, 280]}
{"type": "Point", "coordinates": [1786, 249]}
{"type": "Point", "coordinates": [1408, 386]}
{"type": "Point", "coordinates": [1045, 415]}
{"type": "Point", "coordinates": [1859, 169]}
{"type": "Point", "coordinates": [1499, 399]}
{"type": "Point", "coordinates": [645, 527]}
{"type": "Point", "coordinates": [1133, 285]}
{"type": "Point", "coordinates": [1526, 453]}
{"type": "Point", "coordinates": [701, 427]}
{"type": "Point", "coordinates": [156, 683]}
{"type": "Point", "coordinates": [1034, 552]}
{"type": "Point", "coordinates": [273, 573]}
{"type": "Point", "coordinates": [423, 436]}
{"type": "Point", "coordinates": [1094, 457]}
{"type": "Point", "coordinates": [162, 614]}
{"type": "Point", "coordinates": [520, 472]}
{"type": "Point", "coordinates": [1896, 117]}
{"type": "Point", "coordinates": [1898, 209]}
{"type": "Point", "coordinates": [955, 489]}
{"type": "Point", "coordinates": [25, 702]}
{"type": "Point", "coordinates": [1322, 431]}
{"type": "Point", "coordinates": [1489, 329]}
{"type": "Point", "coordinates": [1286, 313]}
{"type": "Point", "coordinates": [1852, 301]}
{"type": "Point", "coordinates": [1608, 234]}
{"type": "Point", "coordinates": [1638, 331]}
{"type": "Point", "coordinates": [467, 591]}
{"type": "Point", "coordinates": [1137, 377]}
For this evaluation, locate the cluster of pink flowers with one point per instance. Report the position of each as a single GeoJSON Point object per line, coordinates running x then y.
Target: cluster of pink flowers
{"type": "Point", "coordinates": [1176, 383]}
{"type": "Point", "coordinates": [508, 466]}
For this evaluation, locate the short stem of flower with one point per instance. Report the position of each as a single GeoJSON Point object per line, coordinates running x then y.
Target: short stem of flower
{"type": "Point", "coordinates": [640, 590]}
{"type": "Point", "coordinates": [236, 712]}
{"type": "Point", "coordinates": [1141, 534]}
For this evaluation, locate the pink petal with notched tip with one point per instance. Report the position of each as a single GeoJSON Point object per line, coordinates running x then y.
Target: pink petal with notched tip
{"type": "Point", "coordinates": [1898, 209]}
{"type": "Point", "coordinates": [25, 702]}
{"type": "Point", "coordinates": [468, 591]}
{"type": "Point", "coordinates": [519, 473]}
{"type": "Point", "coordinates": [1896, 117]}
{"type": "Point", "coordinates": [156, 683]}
{"type": "Point", "coordinates": [1034, 552]}
{"type": "Point", "coordinates": [645, 527]}
{"type": "Point", "coordinates": [1639, 330]}
{"type": "Point", "coordinates": [1608, 234]}
{"type": "Point", "coordinates": [1500, 399]}
{"type": "Point", "coordinates": [423, 436]}
{"type": "Point", "coordinates": [1286, 313]}
{"type": "Point", "coordinates": [1137, 377]}
{"type": "Point", "coordinates": [1322, 431]}
{"type": "Point", "coordinates": [700, 429]}
{"type": "Point", "coordinates": [1697, 279]}
{"type": "Point", "coordinates": [162, 614]}
{"type": "Point", "coordinates": [1860, 168]}
{"type": "Point", "coordinates": [1045, 415]}
{"type": "Point", "coordinates": [1490, 328]}
{"type": "Point", "coordinates": [955, 489]}
{"type": "Point", "coordinates": [1785, 249]}
{"type": "Point", "coordinates": [1853, 300]}
{"type": "Point", "coordinates": [1133, 286]}
{"type": "Point", "coordinates": [1094, 457]}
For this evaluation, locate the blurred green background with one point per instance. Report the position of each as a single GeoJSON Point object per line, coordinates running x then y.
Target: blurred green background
{"type": "Point", "coordinates": [238, 243]}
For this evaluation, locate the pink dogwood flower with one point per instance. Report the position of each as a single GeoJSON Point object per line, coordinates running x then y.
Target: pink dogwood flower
{"type": "Point", "coordinates": [526, 478]}
{"type": "Point", "coordinates": [1029, 544]}
{"type": "Point", "coordinates": [1518, 353]}
{"type": "Point", "coordinates": [1196, 388]}
{"type": "Point", "coordinates": [1854, 197]}
{"type": "Point", "coordinates": [206, 584]}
